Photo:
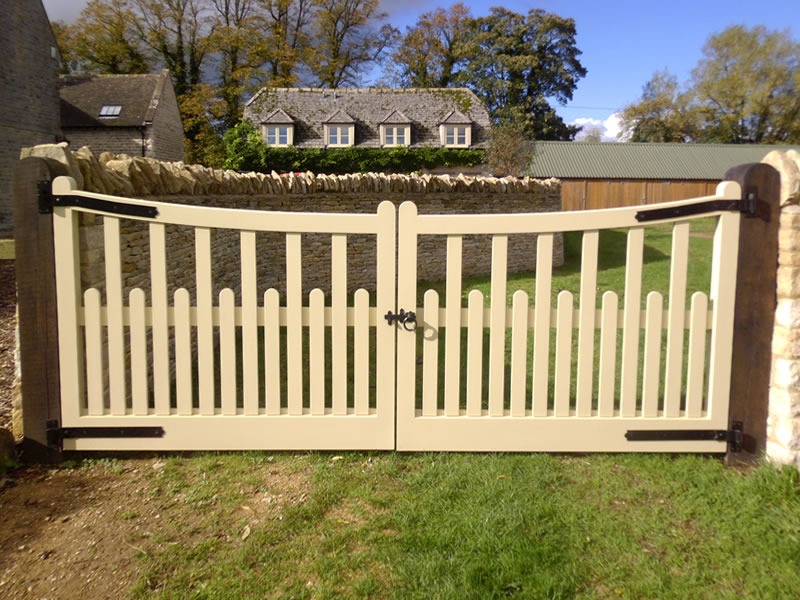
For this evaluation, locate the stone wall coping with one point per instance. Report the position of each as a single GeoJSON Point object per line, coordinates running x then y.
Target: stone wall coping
{"type": "Point", "coordinates": [122, 175]}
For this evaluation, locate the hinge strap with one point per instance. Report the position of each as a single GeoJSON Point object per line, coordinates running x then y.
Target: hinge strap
{"type": "Point", "coordinates": [746, 207]}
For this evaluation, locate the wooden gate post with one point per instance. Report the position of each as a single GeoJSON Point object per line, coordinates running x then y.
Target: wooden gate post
{"type": "Point", "coordinates": [36, 301]}
{"type": "Point", "coordinates": [756, 299]}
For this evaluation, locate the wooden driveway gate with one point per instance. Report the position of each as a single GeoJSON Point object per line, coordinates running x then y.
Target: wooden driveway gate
{"type": "Point", "coordinates": [147, 367]}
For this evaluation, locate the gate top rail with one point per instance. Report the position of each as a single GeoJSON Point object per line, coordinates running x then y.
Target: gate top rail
{"type": "Point", "coordinates": [607, 218]}
{"type": "Point", "coordinates": [67, 196]}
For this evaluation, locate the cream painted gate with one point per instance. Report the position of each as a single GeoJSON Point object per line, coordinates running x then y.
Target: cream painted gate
{"type": "Point", "coordinates": [537, 377]}
{"type": "Point", "coordinates": [156, 365]}
{"type": "Point", "coordinates": [159, 368]}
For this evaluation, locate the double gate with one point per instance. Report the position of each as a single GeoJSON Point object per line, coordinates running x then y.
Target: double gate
{"type": "Point", "coordinates": [149, 364]}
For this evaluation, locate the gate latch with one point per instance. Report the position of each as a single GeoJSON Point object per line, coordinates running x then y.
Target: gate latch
{"type": "Point", "coordinates": [407, 319]}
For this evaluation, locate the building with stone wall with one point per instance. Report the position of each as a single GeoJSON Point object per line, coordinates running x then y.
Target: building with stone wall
{"type": "Point", "coordinates": [29, 63]}
{"type": "Point", "coordinates": [136, 115]}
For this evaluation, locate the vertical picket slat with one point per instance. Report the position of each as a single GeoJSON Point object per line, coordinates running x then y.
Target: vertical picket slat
{"type": "Point", "coordinates": [339, 350]}
{"type": "Point", "coordinates": [519, 352]}
{"type": "Point", "coordinates": [541, 324]}
{"type": "Point", "coordinates": [361, 352]}
{"type": "Point", "coordinates": [497, 325]}
{"type": "Point", "coordinates": [71, 351]}
{"type": "Point", "coordinates": [430, 354]}
{"type": "Point", "coordinates": [588, 303]}
{"type": "Point", "coordinates": [676, 319]}
{"type": "Point", "coordinates": [294, 324]}
{"type": "Point", "coordinates": [696, 361]}
{"type": "Point", "coordinates": [183, 351]}
{"type": "Point", "coordinates": [227, 350]}
{"type": "Point", "coordinates": [95, 364]}
{"type": "Point", "coordinates": [563, 358]}
{"type": "Point", "coordinates": [452, 349]}
{"type": "Point", "coordinates": [608, 355]}
{"type": "Point", "coordinates": [406, 363]}
{"type": "Point", "coordinates": [117, 386]}
{"type": "Point", "coordinates": [316, 351]}
{"type": "Point", "coordinates": [474, 353]}
{"type": "Point", "coordinates": [205, 321]}
{"type": "Point", "coordinates": [723, 297]}
{"type": "Point", "coordinates": [652, 354]}
{"type": "Point", "coordinates": [386, 294]}
{"type": "Point", "coordinates": [160, 320]}
{"type": "Point", "coordinates": [250, 392]}
{"type": "Point", "coordinates": [138, 331]}
{"type": "Point", "coordinates": [631, 325]}
{"type": "Point", "coordinates": [272, 352]}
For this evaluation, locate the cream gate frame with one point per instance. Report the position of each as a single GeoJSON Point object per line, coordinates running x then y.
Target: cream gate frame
{"type": "Point", "coordinates": [128, 380]}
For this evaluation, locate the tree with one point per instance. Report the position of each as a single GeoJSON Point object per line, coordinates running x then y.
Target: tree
{"type": "Point", "coordinates": [747, 86]}
{"type": "Point", "coordinates": [237, 39]}
{"type": "Point", "coordinates": [346, 41]}
{"type": "Point", "coordinates": [179, 31]}
{"type": "Point", "coordinates": [286, 25]}
{"type": "Point", "coordinates": [517, 63]}
{"type": "Point", "coordinates": [745, 90]}
{"type": "Point", "coordinates": [431, 52]}
{"type": "Point", "coordinates": [663, 114]}
{"type": "Point", "coordinates": [103, 40]}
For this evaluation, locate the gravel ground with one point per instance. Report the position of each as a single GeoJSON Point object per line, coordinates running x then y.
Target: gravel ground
{"type": "Point", "coordinates": [8, 321]}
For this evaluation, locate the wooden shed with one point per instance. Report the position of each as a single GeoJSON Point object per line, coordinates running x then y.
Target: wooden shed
{"type": "Point", "coordinates": [612, 174]}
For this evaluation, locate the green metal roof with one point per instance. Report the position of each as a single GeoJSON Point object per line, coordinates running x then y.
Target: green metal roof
{"type": "Point", "coordinates": [614, 160]}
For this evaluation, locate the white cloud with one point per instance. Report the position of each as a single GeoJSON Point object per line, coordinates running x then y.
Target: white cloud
{"type": "Point", "coordinates": [609, 128]}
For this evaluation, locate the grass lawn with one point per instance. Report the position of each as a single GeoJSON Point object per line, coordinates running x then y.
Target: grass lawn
{"type": "Point", "coordinates": [6, 249]}
{"type": "Point", "coordinates": [470, 526]}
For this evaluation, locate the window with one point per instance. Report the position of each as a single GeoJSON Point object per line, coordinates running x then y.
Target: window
{"type": "Point", "coordinates": [456, 135]}
{"type": "Point", "coordinates": [395, 135]}
{"type": "Point", "coordinates": [279, 135]}
{"type": "Point", "coordinates": [339, 135]}
{"type": "Point", "coordinates": [110, 110]}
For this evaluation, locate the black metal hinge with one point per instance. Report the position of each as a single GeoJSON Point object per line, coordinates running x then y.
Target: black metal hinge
{"type": "Point", "coordinates": [747, 206]}
{"type": "Point", "coordinates": [732, 436]}
{"type": "Point", "coordinates": [56, 434]}
{"type": "Point", "coordinates": [47, 201]}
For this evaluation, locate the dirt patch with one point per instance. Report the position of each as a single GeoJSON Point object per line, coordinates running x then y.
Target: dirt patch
{"type": "Point", "coordinates": [8, 324]}
{"type": "Point", "coordinates": [89, 532]}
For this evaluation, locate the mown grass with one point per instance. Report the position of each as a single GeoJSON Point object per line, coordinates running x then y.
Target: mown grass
{"type": "Point", "coordinates": [7, 250]}
{"type": "Point", "coordinates": [473, 526]}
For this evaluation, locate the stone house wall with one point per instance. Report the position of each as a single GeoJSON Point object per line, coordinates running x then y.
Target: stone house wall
{"type": "Point", "coordinates": [29, 64]}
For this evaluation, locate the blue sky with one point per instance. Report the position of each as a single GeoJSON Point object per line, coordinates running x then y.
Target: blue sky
{"type": "Point", "coordinates": [623, 41]}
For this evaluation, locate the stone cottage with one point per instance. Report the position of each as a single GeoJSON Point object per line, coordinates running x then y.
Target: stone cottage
{"type": "Point", "coordinates": [136, 115]}
{"type": "Point", "coordinates": [371, 118]}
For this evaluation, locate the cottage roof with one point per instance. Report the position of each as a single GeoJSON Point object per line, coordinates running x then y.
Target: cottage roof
{"type": "Point", "coordinates": [423, 109]}
{"type": "Point", "coordinates": [110, 100]}
{"type": "Point", "coordinates": [278, 116]}
{"type": "Point", "coordinates": [396, 118]}
{"type": "Point", "coordinates": [339, 116]}
{"type": "Point", "coordinates": [613, 160]}
{"type": "Point", "coordinates": [456, 118]}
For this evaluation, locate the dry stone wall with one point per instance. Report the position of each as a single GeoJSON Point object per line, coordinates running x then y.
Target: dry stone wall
{"type": "Point", "coordinates": [358, 193]}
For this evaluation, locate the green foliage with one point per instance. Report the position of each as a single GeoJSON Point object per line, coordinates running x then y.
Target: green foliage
{"type": "Point", "coordinates": [743, 91]}
{"type": "Point", "coordinates": [246, 151]}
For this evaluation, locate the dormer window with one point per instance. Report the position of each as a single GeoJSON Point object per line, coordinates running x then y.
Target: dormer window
{"type": "Point", "coordinates": [110, 111]}
{"type": "Point", "coordinates": [339, 130]}
{"type": "Point", "coordinates": [455, 131]}
{"type": "Point", "coordinates": [395, 130]}
{"type": "Point", "coordinates": [277, 130]}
